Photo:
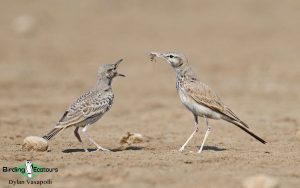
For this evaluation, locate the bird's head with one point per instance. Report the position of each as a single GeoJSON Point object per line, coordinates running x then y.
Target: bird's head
{"type": "Point", "coordinates": [176, 60]}
{"type": "Point", "coordinates": [109, 71]}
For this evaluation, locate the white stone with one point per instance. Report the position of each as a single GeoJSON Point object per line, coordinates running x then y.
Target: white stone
{"type": "Point", "coordinates": [35, 143]}
{"type": "Point", "coordinates": [260, 181]}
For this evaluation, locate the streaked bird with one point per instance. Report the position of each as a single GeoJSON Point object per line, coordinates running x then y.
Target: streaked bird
{"type": "Point", "coordinates": [90, 106]}
{"type": "Point", "coordinates": [199, 98]}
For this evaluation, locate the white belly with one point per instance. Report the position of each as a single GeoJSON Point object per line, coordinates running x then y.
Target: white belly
{"type": "Point", "coordinates": [196, 108]}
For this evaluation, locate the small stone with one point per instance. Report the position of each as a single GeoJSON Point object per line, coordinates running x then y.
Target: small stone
{"type": "Point", "coordinates": [260, 181]}
{"type": "Point", "coordinates": [132, 138]}
{"type": "Point", "coordinates": [35, 143]}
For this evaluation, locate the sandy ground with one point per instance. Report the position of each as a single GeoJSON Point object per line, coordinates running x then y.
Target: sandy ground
{"type": "Point", "coordinates": [247, 51]}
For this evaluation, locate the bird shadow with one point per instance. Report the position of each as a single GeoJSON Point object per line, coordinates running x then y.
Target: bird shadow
{"type": "Point", "coordinates": [76, 150]}
{"type": "Point", "coordinates": [212, 148]}
{"type": "Point", "coordinates": [133, 148]}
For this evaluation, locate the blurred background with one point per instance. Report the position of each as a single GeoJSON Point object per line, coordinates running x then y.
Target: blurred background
{"type": "Point", "coordinates": [246, 50]}
{"type": "Point", "coordinates": [251, 42]}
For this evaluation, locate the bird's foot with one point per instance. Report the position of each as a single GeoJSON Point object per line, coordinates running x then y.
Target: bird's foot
{"type": "Point", "coordinates": [181, 149]}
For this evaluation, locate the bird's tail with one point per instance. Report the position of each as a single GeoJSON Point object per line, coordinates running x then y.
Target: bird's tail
{"type": "Point", "coordinates": [244, 126]}
{"type": "Point", "coordinates": [54, 132]}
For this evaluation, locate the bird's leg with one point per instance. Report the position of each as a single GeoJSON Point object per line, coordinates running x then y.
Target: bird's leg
{"type": "Point", "coordinates": [206, 134]}
{"type": "Point", "coordinates": [84, 131]}
{"type": "Point", "coordinates": [79, 138]}
{"type": "Point", "coordinates": [192, 135]}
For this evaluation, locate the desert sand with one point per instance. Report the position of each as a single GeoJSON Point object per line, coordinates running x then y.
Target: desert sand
{"type": "Point", "coordinates": [247, 51]}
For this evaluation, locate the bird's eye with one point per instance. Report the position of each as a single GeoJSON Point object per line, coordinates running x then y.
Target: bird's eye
{"type": "Point", "coordinates": [171, 56]}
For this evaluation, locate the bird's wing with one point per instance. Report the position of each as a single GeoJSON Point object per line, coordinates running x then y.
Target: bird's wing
{"type": "Point", "coordinates": [203, 95]}
{"type": "Point", "coordinates": [88, 105]}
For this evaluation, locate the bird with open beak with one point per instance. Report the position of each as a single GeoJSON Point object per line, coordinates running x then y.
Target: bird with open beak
{"type": "Point", "coordinates": [90, 106]}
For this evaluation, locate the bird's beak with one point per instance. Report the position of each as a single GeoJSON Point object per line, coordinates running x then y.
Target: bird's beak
{"type": "Point", "coordinates": [153, 55]}
{"type": "Point", "coordinates": [118, 62]}
{"type": "Point", "coordinates": [118, 74]}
